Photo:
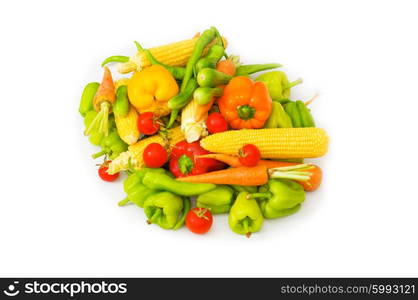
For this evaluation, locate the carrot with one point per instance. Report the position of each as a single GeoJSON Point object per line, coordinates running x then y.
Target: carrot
{"type": "Point", "coordinates": [102, 102]}
{"type": "Point", "coordinates": [106, 90]}
{"type": "Point", "coordinates": [312, 184]}
{"type": "Point", "coordinates": [315, 181]}
{"type": "Point", "coordinates": [227, 66]}
{"type": "Point", "coordinates": [230, 160]}
{"type": "Point", "coordinates": [257, 175]}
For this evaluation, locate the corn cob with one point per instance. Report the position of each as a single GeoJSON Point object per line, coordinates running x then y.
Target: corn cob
{"type": "Point", "coordinates": [133, 157]}
{"type": "Point", "coordinates": [121, 81]}
{"type": "Point", "coordinates": [192, 125]}
{"type": "Point", "coordinates": [174, 54]}
{"type": "Point", "coordinates": [272, 142]}
{"type": "Point", "coordinates": [127, 126]}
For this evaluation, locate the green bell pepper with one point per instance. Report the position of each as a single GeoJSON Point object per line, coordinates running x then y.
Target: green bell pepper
{"type": "Point", "coordinates": [245, 216]}
{"type": "Point", "coordinates": [135, 191]}
{"type": "Point", "coordinates": [278, 117]}
{"type": "Point", "coordinates": [112, 145]}
{"type": "Point", "coordinates": [278, 85]}
{"type": "Point", "coordinates": [218, 200]}
{"type": "Point", "coordinates": [164, 209]}
{"type": "Point", "coordinates": [279, 198]}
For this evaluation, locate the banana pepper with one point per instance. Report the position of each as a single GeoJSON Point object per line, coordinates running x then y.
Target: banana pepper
{"type": "Point", "coordinates": [151, 88]}
{"type": "Point", "coordinates": [245, 216]}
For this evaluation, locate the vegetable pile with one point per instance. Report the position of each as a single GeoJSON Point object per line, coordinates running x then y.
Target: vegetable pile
{"type": "Point", "coordinates": [198, 134]}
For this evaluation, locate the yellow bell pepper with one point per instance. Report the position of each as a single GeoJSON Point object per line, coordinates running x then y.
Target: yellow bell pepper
{"type": "Point", "coordinates": [151, 88]}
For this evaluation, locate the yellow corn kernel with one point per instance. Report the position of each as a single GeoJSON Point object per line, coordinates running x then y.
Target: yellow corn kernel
{"type": "Point", "coordinates": [127, 126]}
{"type": "Point", "coordinates": [272, 142]}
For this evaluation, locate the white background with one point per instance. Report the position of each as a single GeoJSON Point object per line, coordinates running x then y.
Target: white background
{"type": "Point", "coordinates": [57, 218]}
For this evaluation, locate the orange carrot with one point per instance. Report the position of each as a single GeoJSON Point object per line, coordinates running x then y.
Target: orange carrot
{"type": "Point", "coordinates": [315, 181]}
{"type": "Point", "coordinates": [312, 184]}
{"type": "Point", "coordinates": [106, 91]}
{"type": "Point", "coordinates": [102, 102]}
{"type": "Point", "coordinates": [257, 175]}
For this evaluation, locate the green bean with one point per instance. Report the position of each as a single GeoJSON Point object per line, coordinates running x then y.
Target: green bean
{"type": "Point", "coordinates": [250, 69]}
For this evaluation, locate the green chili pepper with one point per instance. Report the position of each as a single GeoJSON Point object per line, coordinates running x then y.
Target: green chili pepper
{"type": "Point", "coordinates": [279, 198]}
{"type": "Point", "coordinates": [177, 72]}
{"type": "Point", "coordinates": [163, 209]}
{"type": "Point", "coordinates": [299, 114]}
{"type": "Point", "coordinates": [115, 58]}
{"type": "Point", "coordinates": [305, 114]}
{"type": "Point", "coordinates": [121, 105]}
{"type": "Point", "coordinates": [218, 200]}
{"type": "Point", "coordinates": [86, 102]}
{"type": "Point", "coordinates": [186, 208]}
{"type": "Point", "coordinates": [207, 36]}
{"type": "Point", "coordinates": [243, 70]}
{"type": "Point", "coordinates": [278, 117]}
{"type": "Point", "coordinates": [293, 112]}
{"type": "Point", "coordinates": [210, 60]}
{"type": "Point", "coordinates": [203, 95]}
{"type": "Point", "coordinates": [180, 100]}
{"type": "Point", "coordinates": [208, 77]}
{"type": "Point", "coordinates": [245, 216]}
{"type": "Point", "coordinates": [278, 84]}
{"type": "Point", "coordinates": [166, 183]}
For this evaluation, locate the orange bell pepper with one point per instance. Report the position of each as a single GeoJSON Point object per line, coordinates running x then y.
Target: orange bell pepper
{"type": "Point", "coordinates": [245, 103]}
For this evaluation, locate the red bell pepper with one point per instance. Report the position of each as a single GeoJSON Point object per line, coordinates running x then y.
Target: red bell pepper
{"type": "Point", "coordinates": [185, 161]}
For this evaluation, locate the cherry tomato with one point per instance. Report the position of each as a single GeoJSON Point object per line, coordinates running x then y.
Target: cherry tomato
{"type": "Point", "coordinates": [148, 123]}
{"type": "Point", "coordinates": [155, 155]}
{"type": "Point", "coordinates": [106, 176]}
{"type": "Point", "coordinates": [249, 155]}
{"type": "Point", "coordinates": [199, 220]}
{"type": "Point", "coordinates": [216, 123]}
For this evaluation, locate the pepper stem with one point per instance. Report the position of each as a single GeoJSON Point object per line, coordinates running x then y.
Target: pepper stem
{"type": "Point", "coordinates": [245, 224]}
{"type": "Point", "coordinates": [258, 195]}
{"type": "Point", "coordinates": [155, 216]}
{"type": "Point", "coordinates": [98, 154]}
{"type": "Point", "coordinates": [124, 202]}
{"type": "Point", "coordinates": [245, 112]}
{"type": "Point", "coordinates": [292, 84]}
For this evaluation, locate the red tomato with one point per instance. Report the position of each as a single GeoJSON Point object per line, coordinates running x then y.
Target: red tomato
{"type": "Point", "coordinates": [216, 123]}
{"type": "Point", "coordinates": [148, 123]}
{"type": "Point", "coordinates": [199, 220]}
{"type": "Point", "coordinates": [106, 176]}
{"type": "Point", "coordinates": [249, 155]}
{"type": "Point", "coordinates": [155, 155]}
